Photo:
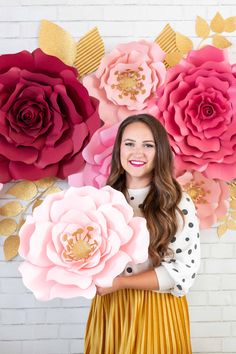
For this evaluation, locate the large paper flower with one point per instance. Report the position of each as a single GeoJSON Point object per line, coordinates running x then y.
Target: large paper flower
{"type": "Point", "coordinates": [97, 155]}
{"type": "Point", "coordinates": [197, 105]}
{"type": "Point", "coordinates": [126, 79]}
{"type": "Point", "coordinates": [46, 117]}
{"type": "Point", "coordinates": [210, 196]}
{"type": "Point", "coordinates": [80, 238]}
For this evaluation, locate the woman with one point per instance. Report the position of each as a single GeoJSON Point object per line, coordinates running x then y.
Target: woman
{"type": "Point", "coordinates": [145, 311]}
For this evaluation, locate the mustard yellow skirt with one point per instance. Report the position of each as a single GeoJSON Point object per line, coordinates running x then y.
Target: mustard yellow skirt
{"type": "Point", "coordinates": [138, 322]}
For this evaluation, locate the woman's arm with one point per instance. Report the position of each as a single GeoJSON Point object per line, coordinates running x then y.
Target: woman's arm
{"type": "Point", "coordinates": [142, 281]}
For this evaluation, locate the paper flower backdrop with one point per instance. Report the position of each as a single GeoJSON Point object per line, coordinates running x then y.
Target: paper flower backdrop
{"type": "Point", "coordinates": [80, 238]}
{"type": "Point", "coordinates": [50, 126]}
{"type": "Point", "coordinates": [46, 116]}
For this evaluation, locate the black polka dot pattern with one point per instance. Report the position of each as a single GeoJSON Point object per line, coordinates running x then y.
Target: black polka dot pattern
{"type": "Point", "coordinates": [129, 270]}
{"type": "Point", "coordinates": [187, 239]}
{"type": "Point", "coordinates": [190, 224]}
{"type": "Point", "coordinates": [179, 287]}
{"type": "Point", "coordinates": [173, 239]}
{"type": "Point", "coordinates": [185, 211]}
{"type": "Point", "coordinates": [178, 250]}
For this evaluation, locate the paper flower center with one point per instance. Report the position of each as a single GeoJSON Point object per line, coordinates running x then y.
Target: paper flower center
{"type": "Point", "coordinates": [129, 83]}
{"type": "Point", "coordinates": [79, 245]}
{"type": "Point", "coordinates": [197, 192]}
{"type": "Point", "coordinates": [207, 110]}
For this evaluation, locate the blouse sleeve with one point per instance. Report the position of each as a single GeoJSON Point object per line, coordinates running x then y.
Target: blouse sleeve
{"type": "Point", "coordinates": [177, 273]}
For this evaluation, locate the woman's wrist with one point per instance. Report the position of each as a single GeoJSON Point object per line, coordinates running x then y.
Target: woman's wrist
{"type": "Point", "coordinates": [119, 283]}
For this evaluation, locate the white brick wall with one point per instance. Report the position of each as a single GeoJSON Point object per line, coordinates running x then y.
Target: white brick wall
{"type": "Point", "coordinates": [57, 327]}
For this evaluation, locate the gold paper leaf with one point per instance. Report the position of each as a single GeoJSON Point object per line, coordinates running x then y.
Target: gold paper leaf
{"type": "Point", "coordinates": [220, 41]}
{"type": "Point", "coordinates": [45, 182]}
{"type": "Point", "coordinates": [223, 218]}
{"type": "Point", "coordinates": [11, 209]}
{"type": "Point", "coordinates": [167, 40]}
{"type": "Point", "coordinates": [52, 190]}
{"type": "Point", "coordinates": [24, 190]}
{"type": "Point", "coordinates": [184, 44]}
{"type": "Point", "coordinates": [221, 229]}
{"type": "Point", "coordinates": [202, 28]}
{"type": "Point", "coordinates": [233, 214]}
{"type": "Point", "coordinates": [54, 40]}
{"type": "Point", "coordinates": [218, 23]}
{"type": "Point", "coordinates": [232, 189]}
{"type": "Point", "coordinates": [11, 246]}
{"type": "Point", "coordinates": [7, 227]}
{"type": "Point", "coordinates": [89, 52]}
{"type": "Point", "coordinates": [231, 225]}
{"type": "Point", "coordinates": [233, 204]}
{"type": "Point", "coordinates": [37, 203]}
{"type": "Point", "coordinates": [230, 24]}
{"type": "Point", "coordinates": [21, 222]}
{"type": "Point", "coordinates": [172, 59]}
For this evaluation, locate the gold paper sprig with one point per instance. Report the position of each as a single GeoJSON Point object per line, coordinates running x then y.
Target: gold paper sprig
{"type": "Point", "coordinates": [174, 44]}
{"type": "Point", "coordinates": [213, 30]}
{"type": "Point", "coordinates": [228, 221]}
{"type": "Point", "coordinates": [85, 55]}
{"type": "Point", "coordinates": [24, 191]}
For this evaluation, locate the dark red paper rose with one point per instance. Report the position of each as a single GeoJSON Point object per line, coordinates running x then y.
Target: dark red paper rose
{"type": "Point", "coordinates": [46, 117]}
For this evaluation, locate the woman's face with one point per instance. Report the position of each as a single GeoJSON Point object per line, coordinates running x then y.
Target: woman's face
{"type": "Point", "coordinates": [137, 154]}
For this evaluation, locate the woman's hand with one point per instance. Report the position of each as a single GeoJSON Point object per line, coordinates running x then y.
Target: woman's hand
{"type": "Point", "coordinates": [116, 285]}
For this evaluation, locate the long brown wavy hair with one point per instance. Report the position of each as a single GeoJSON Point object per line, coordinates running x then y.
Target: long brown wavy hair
{"type": "Point", "coordinates": [161, 203]}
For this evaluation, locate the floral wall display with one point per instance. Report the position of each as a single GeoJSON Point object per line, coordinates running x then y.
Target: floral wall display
{"type": "Point", "coordinates": [61, 106]}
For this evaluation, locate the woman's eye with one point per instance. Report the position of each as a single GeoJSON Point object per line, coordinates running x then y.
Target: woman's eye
{"type": "Point", "coordinates": [129, 144]}
{"type": "Point", "coordinates": [149, 145]}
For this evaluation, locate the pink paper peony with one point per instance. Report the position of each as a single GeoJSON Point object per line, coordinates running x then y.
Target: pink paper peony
{"type": "Point", "coordinates": [46, 117]}
{"type": "Point", "coordinates": [197, 106]}
{"type": "Point", "coordinates": [97, 155]}
{"type": "Point", "coordinates": [210, 196]}
{"type": "Point", "coordinates": [79, 239]}
{"type": "Point", "coordinates": [126, 79]}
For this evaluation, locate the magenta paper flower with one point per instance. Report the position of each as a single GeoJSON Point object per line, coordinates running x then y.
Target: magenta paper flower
{"type": "Point", "coordinates": [126, 79]}
{"type": "Point", "coordinates": [46, 117]}
{"type": "Point", "coordinates": [197, 106]}
{"type": "Point", "coordinates": [210, 196]}
{"type": "Point", "coordinates": [97, 155]}
{"type": "Point", "coordinates": [79, 239]}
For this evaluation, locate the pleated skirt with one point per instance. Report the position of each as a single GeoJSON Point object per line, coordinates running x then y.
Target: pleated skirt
{"type": "Point", "coordinates": [138, 322]}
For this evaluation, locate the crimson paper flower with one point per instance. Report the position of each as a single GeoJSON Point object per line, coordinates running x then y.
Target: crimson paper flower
{"type": "Point", "coordinates": [46, 117]}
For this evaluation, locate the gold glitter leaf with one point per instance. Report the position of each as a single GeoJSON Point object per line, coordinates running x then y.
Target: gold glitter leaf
{"type": "Point", "coordinates": [233, 204]}
{"type": "Point", "coordinates": [202, 28]}
{"type": "Point", "coordinates": [11, 246]}
{"type": "Point", "coordinates": [221, 229]}
{"type": "Point", "coordinates": [7, 227]}
{"type": "Point", "coordinates": [220, 41]}
{"type": "Point", "coordinates": [172, 59]}
{"type": "Point", "coordinates": [54, 40]}
{"type": "Point", "coordinates": [52, 190]}
{"type": "Point", "coordinates": [184, 44]}
{"type": "Point", "coordinates": [223, 218]}
{"type": "Point", "coordinates": [232, 188]}
{"type": "Point", "coordinates": [45, 182]}
{"type": "Point", "coordinates": [89, 52]}
{"type": "Point", "coordinates": [218, 23]}
{"type": "Point", "coordinates": [11, 209]}
{"type": "Point", "coordinates": [231, 224]}
{"type": "Point", "coordinates": [37, 203]}
{"type": "Point", "coordinates": [233, 215]}
{"type": "Point", "coordinates": [24, 190]}
{"type": "Point", "coordinates": [230, 24]}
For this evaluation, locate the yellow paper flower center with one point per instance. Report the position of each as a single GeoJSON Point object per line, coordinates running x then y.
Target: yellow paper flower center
{"type": "Point", "coordinates": [197, 192]}
{"type": "Point", "coordinates": [129, 83]}
{"type": "Point", "coordinates": [79, 245]}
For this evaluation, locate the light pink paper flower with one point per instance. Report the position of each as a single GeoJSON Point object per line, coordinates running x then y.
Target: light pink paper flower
{"type": "Point", "coordinates": [197, 106]}
{"type": "Point", "coordinates": [126, 79]}
{"type": "Point", "coordinates": [210, 196]}
{"type": "Point", "coordinates": [97, 155]}
{"type": "Point", "coordinates": [79, 239]}
{"type": "Point", "coordinates": [1, 186]}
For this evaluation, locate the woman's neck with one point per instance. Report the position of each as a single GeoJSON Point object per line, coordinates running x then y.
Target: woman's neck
{"type": "Point", "coordinates": [137, 183]}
